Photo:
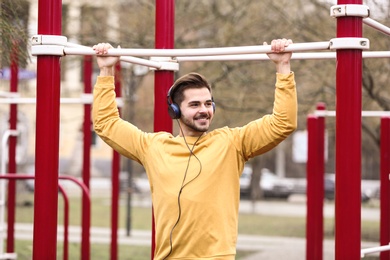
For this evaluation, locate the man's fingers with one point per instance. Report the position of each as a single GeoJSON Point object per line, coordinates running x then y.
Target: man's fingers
{"type": "Point", "coordinates": [102, 48]}
{"type": "Point", "coordinates": [279, 45]}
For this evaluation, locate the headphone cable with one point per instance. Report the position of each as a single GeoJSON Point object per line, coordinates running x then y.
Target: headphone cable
{"type": "Point", "coordinates": [183, 185]}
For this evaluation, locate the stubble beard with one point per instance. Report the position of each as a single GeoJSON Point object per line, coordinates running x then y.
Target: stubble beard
{"type": "Point", "coordinates": [191, 124]}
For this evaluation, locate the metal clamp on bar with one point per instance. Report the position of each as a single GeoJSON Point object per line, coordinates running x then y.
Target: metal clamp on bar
{"type": "Point", "coordinates": [48, 45]}
{"type": "Point", "coordinates": [349, 10]}
{"type": "Point", "coordinates": [349, 43]}
{"type": "Point", "coordinates": [49, 40]}
{"type": "Point", "coordinates": [166, 63]}
{"type": "Point", "coordinates": [47, 50]}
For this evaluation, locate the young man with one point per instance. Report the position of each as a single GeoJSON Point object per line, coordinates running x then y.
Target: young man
{"type": "Point", "coordinates": [194, 177]}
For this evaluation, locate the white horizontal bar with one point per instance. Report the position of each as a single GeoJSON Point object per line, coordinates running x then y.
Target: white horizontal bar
{"type": "Point", "coordinates": [376, 54]}
{"type": "Point", "coordinates": [34, 101]}
{"type": "Point", "coordinates": [200, 51]}
{"type": "Point", "coordinates": [328, 113]}
{"type": "Point", "coordinates": [85, 99]}
{"type": "Point", "coordinates": [376, 25]}
{"type": "Point", "coordinates": [295, 56]}
{"type": "Point", "coordinates": [7, 94]}
{"type": "Point", "coordinates": [8, 256]}
{"type": "Point", "coordinates": [75, 45]}
{"type": "Point", "coordinates": [139, 61]}
{"type": "Point", "coordinates": [83, 50]}
{"type": "Point", "coordinates": [371, 250]}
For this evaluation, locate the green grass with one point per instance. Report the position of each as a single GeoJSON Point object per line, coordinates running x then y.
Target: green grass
{"type": "Point", "coordinates": [98, 251]}
{"type": "Point", "coordinates": [252, 224]}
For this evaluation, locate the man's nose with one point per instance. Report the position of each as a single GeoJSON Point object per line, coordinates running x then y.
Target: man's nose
{"type": "Point", "coordinates": [203, 108]}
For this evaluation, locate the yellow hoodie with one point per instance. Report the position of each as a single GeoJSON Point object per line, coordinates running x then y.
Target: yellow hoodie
{"type": "Point", "coordinates": [202, 220]}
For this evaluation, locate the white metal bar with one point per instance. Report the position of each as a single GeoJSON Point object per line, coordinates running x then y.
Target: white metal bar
{"type": "Point", "coordinates": [75, 45]}
{"type": "Point", "coordinates": [8, 256]}
{"type": "Point", "coordinates": [371, 250]}
{"type": "Point", "coordinates": [376, 54]}
{"type": "Point", "coordinates": [295, 56]}
{"type": "Point", "coordinates": [85, 99]}
{"type": "Point", "coordinates": [33, 101]}
{"type": "Point", "coordinates": [134, 60]}
{"type": "Point", "coordinates": [376, 25]}
{"type": "Point", "coordinates": [200, 51]}
{"type": "Point", "coordinates": [328, 113]}
{"type": "Point", "coordinates": [144, 62]}
{"type": "Point", "coordinates": [7, 94]}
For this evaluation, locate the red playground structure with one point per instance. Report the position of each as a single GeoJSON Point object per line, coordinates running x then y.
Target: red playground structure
{"type": "Point", "coordinates": [350, 48]}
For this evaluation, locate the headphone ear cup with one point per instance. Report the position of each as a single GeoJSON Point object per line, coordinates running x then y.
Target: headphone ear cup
{"type": "Point", "coordinates": [213, 107]}
{"type": "Point", "coordinates": [174, 111]}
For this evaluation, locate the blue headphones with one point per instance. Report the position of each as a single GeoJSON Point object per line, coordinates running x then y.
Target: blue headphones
{"type": "Point", "coordinates": [173, 109]}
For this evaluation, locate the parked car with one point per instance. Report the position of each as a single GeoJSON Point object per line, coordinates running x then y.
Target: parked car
{"type": "Point", "coordinates": [274, 186]}
{"type": "Point", "coordinates": [271, 185]}
{"type": "Point", "coordinates": [330, 187]}
{"type": "Point", "coordinates": [245, 181]}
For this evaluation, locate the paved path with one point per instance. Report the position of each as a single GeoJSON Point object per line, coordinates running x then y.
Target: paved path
{"type": "Point", "coordinates": [263, 247]}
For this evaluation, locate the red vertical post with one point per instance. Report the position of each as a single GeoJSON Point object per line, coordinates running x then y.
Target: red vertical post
{"type": "Point", "coordinates": [315, 186]}
{"type": "Point", "coordinates": [115, 180]}
{"type": "Point", "coordinates": [13, 121]}
{"type": "Point", "coordinates": [384, 186]}
{"type": "Point", "coordinates": [87, 125]}
{"type": "Point", "coordinates": [47, 137]}
{"type": "Point", "coordinates": [66, 222]}
{"type": "Point", "coordinates": [163, 80]}
{"type": "Point", "coordinates": [348, 140]}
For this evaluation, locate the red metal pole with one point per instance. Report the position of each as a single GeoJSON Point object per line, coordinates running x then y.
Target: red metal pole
{"type": "Point", "coordinates": [12, 168]}
{"type": "Point", "coordinates": [87, 126]}
{"type": "Point", "coordinates": [315, 186]}
{"type": "Point", "coordinates": [348, 140]}
{"type": "Point", "coordinates": [115, 180]}
{"type": "Point", "coordinates": [47, 137]}
{"type": "Point", "coordinates": [384, 186]}
{"type": "Point", "coordinates": [163, 80]}
{"type": "Point", "coordinates": [66, 222]}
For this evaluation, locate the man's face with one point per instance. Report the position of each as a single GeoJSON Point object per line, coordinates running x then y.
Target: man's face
{"type": "Point", "coordinates": [196, 111]}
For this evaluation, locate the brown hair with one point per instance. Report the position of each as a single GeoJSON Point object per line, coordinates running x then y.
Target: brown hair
{"type": "Point", "coordinates": [190, 80]}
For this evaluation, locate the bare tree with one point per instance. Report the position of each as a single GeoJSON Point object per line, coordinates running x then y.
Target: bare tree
{"type": "Point", "coordinates": [13, 31]}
